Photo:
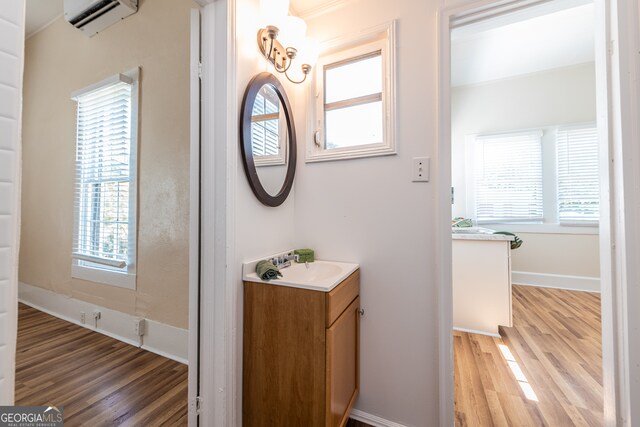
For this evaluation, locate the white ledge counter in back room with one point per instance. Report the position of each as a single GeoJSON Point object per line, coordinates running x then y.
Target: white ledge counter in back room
{"type": "Point", "coordinates": [481, 280]}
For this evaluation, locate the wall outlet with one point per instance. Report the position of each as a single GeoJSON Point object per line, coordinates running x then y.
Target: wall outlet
{"type": "Point", "coordinates": [420, 169]}
{"type": "Point", "coordinates": [140, 327]}
{"type": "Point", "coordinates": [96, 316]}
{"type": "Point", "coordinates": [83, 317]}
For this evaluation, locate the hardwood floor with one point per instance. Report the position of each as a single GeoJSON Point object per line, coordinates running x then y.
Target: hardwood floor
{"type": "Point", "coordinates": [545, 371]}
{"type": "Point", "coordinates": [100, 381]}
{"type": "Point", "coordinates": [554, 348]}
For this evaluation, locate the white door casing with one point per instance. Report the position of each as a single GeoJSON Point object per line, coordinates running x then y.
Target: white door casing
{"type": "Point", "coordinates": [11, 68]}
{"type": "Point", "coordinates": [219, 356]}
{"type": "Point", "coordinates": [194, 218]}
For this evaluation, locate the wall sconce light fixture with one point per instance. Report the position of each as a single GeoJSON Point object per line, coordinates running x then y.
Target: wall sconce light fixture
{"type": "Point", "coordinates": [283, 41]}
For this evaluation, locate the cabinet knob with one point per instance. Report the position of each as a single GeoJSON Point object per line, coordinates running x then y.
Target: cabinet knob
{"type": "Point", "coordinates": [361, 311]}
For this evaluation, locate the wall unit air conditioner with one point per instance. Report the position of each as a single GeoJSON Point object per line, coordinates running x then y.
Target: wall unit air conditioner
{"type": "Point", "coordinates": [93, 16]}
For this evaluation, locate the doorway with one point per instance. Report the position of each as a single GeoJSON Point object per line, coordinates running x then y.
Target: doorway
{"type": "Point", "coordinates": [160, 313]}
{"type": "Point", "coordinates": [456, 18]}
{"type": "Point", "coordinates": [525, 161]}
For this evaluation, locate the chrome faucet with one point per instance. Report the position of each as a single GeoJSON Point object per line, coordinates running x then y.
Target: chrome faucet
{"type": "Point", "coordinates": [284, 261]}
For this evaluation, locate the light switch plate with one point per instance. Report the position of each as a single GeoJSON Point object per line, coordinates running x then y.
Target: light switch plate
{"type": "Point", "coordinates": [420, 169]}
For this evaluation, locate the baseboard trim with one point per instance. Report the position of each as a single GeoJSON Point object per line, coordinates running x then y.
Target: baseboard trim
{"type": "Point", "coordinates": [159, 338]}
{"type": "Point", "coordinates": [472, 331]}
{"type": "Point", "coordinates": [373, 420]}
{"type": "Point", "coordinates": [557, 281]}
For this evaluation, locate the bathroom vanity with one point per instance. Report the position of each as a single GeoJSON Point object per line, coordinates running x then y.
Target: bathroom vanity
{"type": "Point", "coordinates": [301, 346]}
{"type": "Point", "coordinates": [481, 281]}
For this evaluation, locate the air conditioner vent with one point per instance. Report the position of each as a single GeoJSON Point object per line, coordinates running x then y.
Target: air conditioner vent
{"type": "Point", "coordinates": [93, 16]}
{"type": "Point", "coordinates": [93, 13]}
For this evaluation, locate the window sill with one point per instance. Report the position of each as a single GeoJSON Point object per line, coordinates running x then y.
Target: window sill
{"type": "Point", "coordinates": [105, 277]}
{"type": "Point", "coordinates": [543, 228]}
{"type": "Point", "coordinates": [345, 154]}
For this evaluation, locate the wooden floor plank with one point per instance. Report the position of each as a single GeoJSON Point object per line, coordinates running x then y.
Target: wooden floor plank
{"type": "Point", "coordinates": [100, 381]}
{"type": "Point", "coordinates": [555, 342]}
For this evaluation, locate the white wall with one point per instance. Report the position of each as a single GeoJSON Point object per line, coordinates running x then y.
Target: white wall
{"type": "Point", "coordinates": [368, 211]}
{"type": "Point", "coordinates": [259, 230]}
{"type": "Point", "coordinates": [540, 100]}
{"type": "Point", "coordinates": [11, 66]}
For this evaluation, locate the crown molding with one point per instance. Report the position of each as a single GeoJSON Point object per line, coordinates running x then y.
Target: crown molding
{"type": "Point", "coordinates": [325, 7]}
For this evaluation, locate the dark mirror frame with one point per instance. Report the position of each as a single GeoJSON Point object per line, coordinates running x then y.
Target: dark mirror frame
{"type": "Point", "coordinates": [245, 140]}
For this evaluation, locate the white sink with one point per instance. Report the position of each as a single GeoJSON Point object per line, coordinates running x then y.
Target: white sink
{"type": "Point", "coordinates": [311, 273]}
{"type": "Point", "coordinates": [318, 276]}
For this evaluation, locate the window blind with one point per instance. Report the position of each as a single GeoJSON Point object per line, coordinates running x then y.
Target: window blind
{"type": "Point", "coordinates": [578, 178]}
{"type": "Point", "coordinates": [508, 177]}
{"type": "Point", "coordinates": [103, 175]}
{"type": "Point", "coordinates": [265, 124]}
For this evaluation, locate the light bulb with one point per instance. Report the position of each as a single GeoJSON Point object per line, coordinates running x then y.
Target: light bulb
{"type": "Point", "coordinates": [292, 32]}
{"type": "Point", "coordinates": [272, 12]}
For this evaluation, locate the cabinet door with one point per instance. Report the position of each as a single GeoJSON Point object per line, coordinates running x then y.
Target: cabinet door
{"type": "Point", "coordinates": [343, 354]}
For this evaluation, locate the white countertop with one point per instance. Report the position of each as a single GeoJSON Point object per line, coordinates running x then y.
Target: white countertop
{"type": "Point", "coordinates": [494, 237]}
{"type": "Point", "coordinates": [316, 276]}
{"type": "Point", "coordinates": [478, 233]}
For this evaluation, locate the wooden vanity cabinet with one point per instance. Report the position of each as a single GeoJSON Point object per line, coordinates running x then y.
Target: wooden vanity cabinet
{"type": "Point", "coordinates": [301, 354]}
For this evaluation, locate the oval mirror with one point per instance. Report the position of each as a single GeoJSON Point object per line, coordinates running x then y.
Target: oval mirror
{"type": "Point", "coordinates": [268, 139]}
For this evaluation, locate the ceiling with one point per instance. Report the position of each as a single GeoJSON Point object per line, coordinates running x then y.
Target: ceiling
{"type": "Point", "coordinates": [40, 13]}
{"type": "Point", "coordinates": [521, 44]}
{"type": "Point", "coordinates": [535, 39]}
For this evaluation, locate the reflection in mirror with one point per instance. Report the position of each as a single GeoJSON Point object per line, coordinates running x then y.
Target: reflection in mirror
{"type": "Point", "coordinates": [268, 129]}
{"type": "Point", "coordinates": [268, 139]}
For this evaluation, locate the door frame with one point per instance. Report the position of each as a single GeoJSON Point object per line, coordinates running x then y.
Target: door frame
{"type": "Point", "coordinates": [194, 219]}
{"type": "Point", "coordinates": [219, 368]}
{"type": "Point", "coordinates": [618, 102]}
{"type": "Point", "coordinates": [15, 23]}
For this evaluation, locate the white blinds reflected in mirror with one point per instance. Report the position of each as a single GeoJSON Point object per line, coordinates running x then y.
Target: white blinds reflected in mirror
{"type": "Point", "coordinates": [268, 137]}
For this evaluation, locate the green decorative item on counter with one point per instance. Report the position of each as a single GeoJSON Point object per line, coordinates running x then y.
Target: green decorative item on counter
{"type": "Point", "coordinates": [516, 243]}
{"type": "Point", "coordinates": [267, 271]}
{"type": "Point", "coordinates": [305, 255]}
{"type": "Point", "coordinates": [461, 222]}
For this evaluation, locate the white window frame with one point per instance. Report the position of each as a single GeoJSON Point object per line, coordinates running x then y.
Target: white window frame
{"type": "Point", "coordinates": [471, 153]}
{"type": "Point", "coordinates": [381, 38]}
{"type": "Point", "coordinates": [84, 269]}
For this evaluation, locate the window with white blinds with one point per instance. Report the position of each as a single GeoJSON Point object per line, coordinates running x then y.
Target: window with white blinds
{"type": "Point", "coordinates": [577, 179]}
{"type": "Point", "coordinates": [508, 177]}
{"type": "Point", "coordinates": [105, 202]}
